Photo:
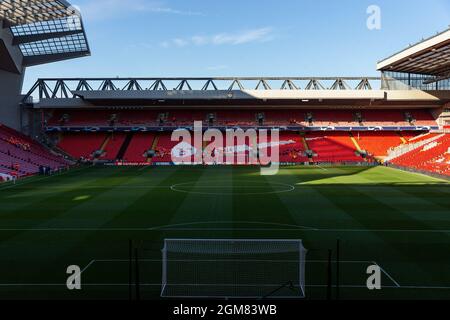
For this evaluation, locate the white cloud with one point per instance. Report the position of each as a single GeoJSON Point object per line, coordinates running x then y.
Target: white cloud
{"type": "Point", "coordinates": [180, 42]}
{"type": "Point", "coordinates": [108, 9]}
{"type": "Point", "coordinates": [243, 37]}
{"type": "Point", "coordinates": [199, 40]}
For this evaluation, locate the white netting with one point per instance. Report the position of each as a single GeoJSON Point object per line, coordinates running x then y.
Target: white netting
{"type": "Point", "coordinates": [233, 268]}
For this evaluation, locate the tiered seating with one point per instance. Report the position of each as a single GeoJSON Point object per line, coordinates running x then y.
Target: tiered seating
{"type": "Point", "coordinates": [19, 153]}
{"type": "Point", "coordinates": [292, 148]}
{"type": "Point", "coordinates": [139, 145]}
{"type": "Point", "coordinates": [15, 159]}
{"type": "Point", "coordinates": [82, 145]}
{"type": "Point", "coordinates": [164, 148]}
{"type": "Point", "coordinates": [333, 118]}
{"type": "Point", "coordinates": [414, 138]}
{"type": "Point", "coordinates": [183, 118]}
{"type": "Point", "coordinates": [81, 118]}
{"type": "Point", "coordinates": [383, 117]}
{"type": "Point", "coordinates": [432, 157]}
{"type": "Point", "coordinates": [284, 117]}
{"type": "Point", "coordinates": [113, 146]}
{"type": "Point", "coordinates": [423, 118]}
{"type": "Point", "coordinates": [378, 143]}
{"type": "Point", "coordinates": [332, 147]}
{"type": "Point", "coordinates": [396, 118]}
{"type": "Point", "coordinates": [238, 117]}
{"type": "Point", "coordinates": [138, 117]}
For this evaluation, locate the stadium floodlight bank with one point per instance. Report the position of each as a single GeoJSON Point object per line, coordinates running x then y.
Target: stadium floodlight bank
{"type": "Point", "coordinates": [230, 268]}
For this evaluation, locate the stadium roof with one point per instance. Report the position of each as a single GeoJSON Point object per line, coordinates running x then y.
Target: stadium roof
{"type": "Point", "coordinates": [429, 57]}
{"type": "Point", "coordinates": [45, 30]}
{"type": "Point", "coordinates": [234, 92]}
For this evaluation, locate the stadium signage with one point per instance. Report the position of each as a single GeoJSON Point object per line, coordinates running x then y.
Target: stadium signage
{"type": "Point", "coordinates": [290, 128]}
{"type": "Point", "coordinates": [242, 147]}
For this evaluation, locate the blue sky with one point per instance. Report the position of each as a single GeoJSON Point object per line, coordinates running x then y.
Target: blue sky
{"type": "Point", "coordinates": [161, 38]}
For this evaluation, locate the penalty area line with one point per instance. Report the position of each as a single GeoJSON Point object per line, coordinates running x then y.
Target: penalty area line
{"type": "Point", "coordinates": [387, 274]}
{"type": "Point", "coordinates": [322, 168]}
{"type": "Point", "coordinates": [410, 287]}
{"type": "Point", "coordinates": [175, 229]}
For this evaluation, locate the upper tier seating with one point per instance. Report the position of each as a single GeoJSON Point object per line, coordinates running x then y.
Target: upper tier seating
{"type": "Point", "coordinates": [282, 117]}
{"type": "Point", "coordinates": [80, 118]}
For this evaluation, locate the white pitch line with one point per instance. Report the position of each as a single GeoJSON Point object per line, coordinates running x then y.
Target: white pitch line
{"type": "Point", "coordinates": [381, 230]}
{"type": "Point", "coordinates": [73, 229]}
{"type": "Point", "coordinates": [189, 226]}
{"type": "Point", "coordinates": [228, 229]}
{"type": "Point", "coordinates": [299, 229]}
{"type": "Point", "coordinates": [387, 274]}
{"type": "Point", "coordinates": [159, 285]}
{"type": "Point", "coordinates": [174, 226]}
{"type": "Point", "coordinates": [37, 180]}
{"type": "Point", "coordinates": [89, 264]}
{"type": "Point", "coordinates": [225, 260]}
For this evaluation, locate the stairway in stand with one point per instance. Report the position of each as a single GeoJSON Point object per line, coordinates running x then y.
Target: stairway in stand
{"type": "Point", "coordinates": [154, 145]}
{"type": "Point", "coordinates": [125, 145]}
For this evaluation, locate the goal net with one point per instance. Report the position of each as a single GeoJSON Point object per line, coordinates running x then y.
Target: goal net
{"type": "Point", "coordinates": [226, 268]}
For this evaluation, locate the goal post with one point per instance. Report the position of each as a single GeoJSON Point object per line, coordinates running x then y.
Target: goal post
{"type": "Point", "coordinates": [233, 268]}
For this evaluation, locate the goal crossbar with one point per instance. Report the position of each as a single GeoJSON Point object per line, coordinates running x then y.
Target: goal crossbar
{"type": "Point", "coordinates": [233, 268]}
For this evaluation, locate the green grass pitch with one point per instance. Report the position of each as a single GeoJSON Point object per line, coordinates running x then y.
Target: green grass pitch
{"type": "Point", "coordinates": [398, 220]}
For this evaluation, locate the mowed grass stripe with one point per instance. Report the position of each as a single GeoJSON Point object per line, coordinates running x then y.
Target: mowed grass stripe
{"type": "Point", "coordinates": [200, 206]}
{"type": "Point", "coordinates": [418, 208]}
{"type": "Point", "coordinates": [50, 249]}
{"type": "Point", "coordinates": [86, 213]}
{"type": "Point", "coordinates": [37, 211]}
{"type": "Point", "coordinates": [411, 258]}
{"type": "Point", "coordinates": [258, 205]}
{"type": "Point", "coordinates": [139, 210]}
{"type": "Point", "coordinates": [155, 207]}
{"type": "Point", "coordinates": [432, 195]}
{"type": "Point", "coordinates": [373, 214]}
{"type": "Point", "coordinates": [310, 207]}
{"type": "Point", "coordinates": [78, 248]}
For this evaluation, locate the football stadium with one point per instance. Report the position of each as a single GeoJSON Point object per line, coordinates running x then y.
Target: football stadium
{"type": "Point", "coordinates": [153, 188]}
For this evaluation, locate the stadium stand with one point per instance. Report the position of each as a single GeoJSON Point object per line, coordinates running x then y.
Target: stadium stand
{"type": "Point", "coordinates": [378, 143]}
{"type": "Point", "coordinates": [293, 148]}
{"type": "Point", "coordinates": [329, 146]}
{"type": "Point", "coordinates": [230, 118]}
{"type": "Point", "coordinates": [163, 148]}
{"type": "Point", "coordinates": [332, 147]}
{"type": "Point", "coordinates": [420, 137]}
{"type": "Point", "coordinates": [23, 156]}
{"type": "Point", "coordinates": [112, 146]}
{"type": "Point", "coordinates": [139, 144]}
{"type": "Point", "coordinates": [432, 157]}
{"type": "Point", "coordinates": [82, 145]}
{"type": "Point", "coordinates": [80, 118]}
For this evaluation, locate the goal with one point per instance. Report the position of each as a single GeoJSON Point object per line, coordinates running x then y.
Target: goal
{"type": "Point", "coordinates": [229, 268]}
